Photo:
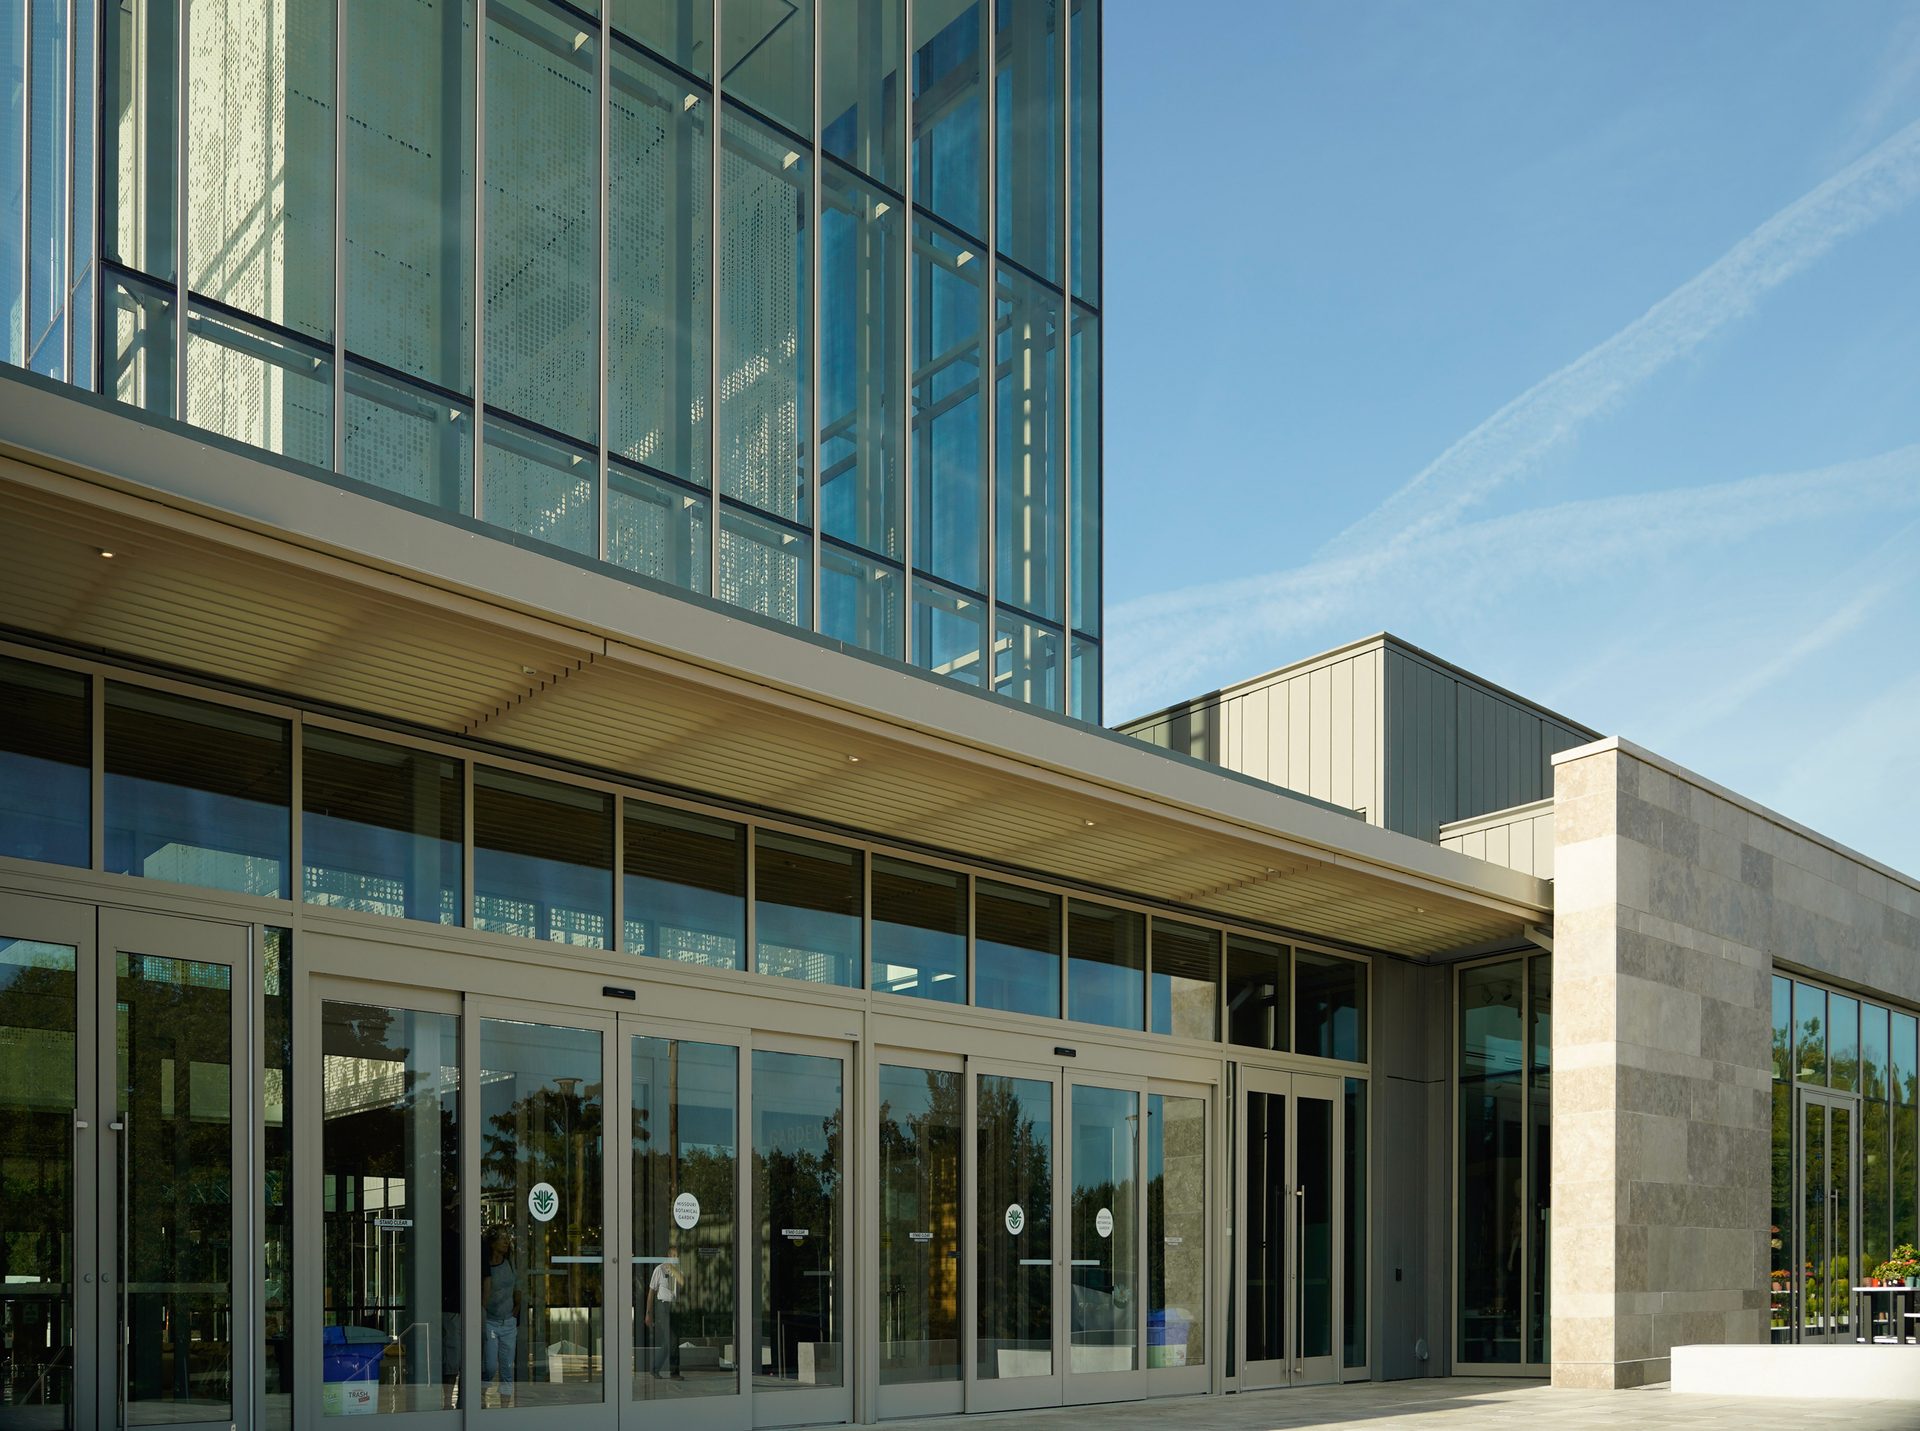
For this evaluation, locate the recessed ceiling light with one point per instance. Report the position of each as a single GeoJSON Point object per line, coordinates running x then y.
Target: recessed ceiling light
{"type": "Point", "coordinates": [1087, 823]}
{"type": "Point", "coordinates": [104, 552]}
{"type": "Point", "coordinates": [853, 760]}
{"type": "Point", "coordinates": [528, 671]}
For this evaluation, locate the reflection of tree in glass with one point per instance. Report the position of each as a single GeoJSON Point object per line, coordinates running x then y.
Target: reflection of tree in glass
{"type": "Point", "coordinates": [797, 1173]}
{"type": "Point", "coordinates": [1016, 1165]}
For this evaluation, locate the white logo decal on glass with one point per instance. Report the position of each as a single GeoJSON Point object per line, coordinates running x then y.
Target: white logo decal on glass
{"type": "Point", "coordinates": [1016, 1218]}
{"type": "Point", "coordinates": [543, 1202]}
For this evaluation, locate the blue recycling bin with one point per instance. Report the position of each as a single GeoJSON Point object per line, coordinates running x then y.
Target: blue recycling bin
{"type": "Point", "coordinates": [351, 1353]}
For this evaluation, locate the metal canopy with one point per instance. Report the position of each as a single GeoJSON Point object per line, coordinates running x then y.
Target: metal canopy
{"type": "Point", "coordinates": [235, 568]}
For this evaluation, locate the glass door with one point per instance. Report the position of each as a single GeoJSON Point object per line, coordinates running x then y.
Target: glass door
{"type": "Point", "coordinates": [48, 1152]}
{"type": "Point", "coordinates": [920, 1117]}
{"type": "Point", "coordinates": [1105, 1318]}
{"type": "Point", "coordinates": [1828, 1162]}
{"type": "Point", "coordinates": [680, 1362]}
{"type": "Point", "coordinates": [799, 1301]}
{"type": "Point", "coordinates": [1019, 1291]}
{"type": "Point", "coordinates": [1178, 1198]}
{"type": "Point", "coordinates": [1289, 1229]}
{"type": "Point", "coordinates": [539, 1318]}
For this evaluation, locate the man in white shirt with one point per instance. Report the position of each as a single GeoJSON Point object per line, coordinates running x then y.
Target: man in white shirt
{"type": "Point", "coordinates": [663, 1290]}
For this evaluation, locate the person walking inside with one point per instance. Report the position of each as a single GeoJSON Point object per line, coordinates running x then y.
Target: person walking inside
{"type": "Point", "coordinates": [663, 1290]}
{"type": "Point", "coordinates": [500, 1313]}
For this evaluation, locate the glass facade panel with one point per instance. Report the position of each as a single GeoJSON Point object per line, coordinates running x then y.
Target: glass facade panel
{"type": "Point", "coordinates": [46, 763]}
{"type": "Point", "coordinates": [1029, 129]}
{"type": "Point", "coordinates": [920, 1117]}
{"type": "Point", "coordinates": [659, 261]}
{"type": "Point", "coordinates": [1539, 1156]}
{"type": "Point", "coordinates": [949, 122]}
{"type": "Point", "coordinates": [140, 135]}
{"type": "Point", "coordinates": [13, 190]}
{"type": "Point", "coordinates": [1176, 1231]}
{"type": "Point", "coordinates": [409, 188]}
{"type": "Point", "coordinates": [390, 1205]}
{"type": "Point", "coordinates": [1106, 965]}
{"type": "Point", "coordinates": [260, 127]}
{"type": "Point", "coordinates": [543, 235]}
{"type": "Point", "coordinates": [766, 233]}
{"type": "Point", "coordinates": [404, 439]}
{"type": "Point", "coordinates": [685, 892]}
{"type": "Point", "coordinates": [807, 906]}
{"type": "Point", "coordinates": [40, 1025]}
{"type": "Point", "coordinates": [686, 1113]}
{"type": "Point", "coordinates": [1257, 986]}
{"type": "Point", "coordinates": [543, 1228]}
{"type": "Point", "coordinates": [1016, 949]}
{"type": "Point", "coordinates": [382, 827]}
{"type": "Point", "coordinates": [1491, 1198]}
{"type": "Point", "coordinates": [1905, 1076]}
{"type": "Point", "coordinates": [658, 529]}
{"type": "Point", "coordinates": [1083, 682]}
{"type": "Point", "coordinates": [197, 793]}
{"type": "Point", "coordinates": [1085, 451]}
{"type": "Point", "coordinates": [1083, 123]}
{"type": "Point", "coordinates": [766, 58]}
{"type": "Point", "coordinates": [1353, 1307]}
{"type": "Point", "coordinates": [1876, 1187]}
{"type": "Point", "coordinates": [1843, 1041]}
{"type": "Point", "coordinates": [1028, 519]}
{"type": "Point", "coordinates": [1330, 1006]}
{"type": "Point", "coordinates": [919, 931]}
{"type": "Point", "coordinates": [1873, 1051]}
{"type": "Point", "coordinates": [797, 1187]}
{"type": "Point", "coordinates": [680, 30]}
{"type": "Point", "coordinates": [949, 441]}
{"type": "Point", "coordinates": [46, 184]}
{"type": "Point", "coordinates": [766, 567]}
{"type": "Point", "coordinates": [862, 354]}
{"type": "Point", "coordinates": [542, 859]}
{"type": "Point", "coordinates": [1780, 1273]}
{"type": "Point", "coordinates": [546, 490]}
{"type": "Point", "coordinates": [1013, 1143]}
{"type": "Point", "coordinates": [1184, 992]}
{"type": "Point", "coordinates": [1027, 661]}
{"type": "Point", "coordinates": [1782, 1027]}
{"type": "Point", "coordinates": [860, 601]}
{"type": "Point", "coordinates": [259, 387]}
{"type": "Point", "coordinates": [860, 95]}
{"type": "Point", "coordinates": [1810, 1033]}
{"type": "Point", "coordinates": [1906, 1193]}
{"type": "Point", "coordinates": [141, 362]}
{"type": "Point", "coordinates": [949, 632]}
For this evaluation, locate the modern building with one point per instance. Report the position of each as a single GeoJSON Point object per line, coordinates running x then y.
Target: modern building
{"type": "Point", "coordinates": [558, 865]}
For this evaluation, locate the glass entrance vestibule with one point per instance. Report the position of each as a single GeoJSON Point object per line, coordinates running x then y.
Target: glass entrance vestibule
{"type": "Point", "coordinates": [368, 1191]}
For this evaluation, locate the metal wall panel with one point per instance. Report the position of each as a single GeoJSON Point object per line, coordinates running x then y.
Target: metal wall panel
{"type": "Point", "coordinates": [1410, 1149]}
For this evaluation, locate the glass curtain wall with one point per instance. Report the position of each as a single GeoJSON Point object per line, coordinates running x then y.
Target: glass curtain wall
{"type": "Point", "coordinates": [1503, 1093]}
{"type": "Point", "coordinates": [584, 272]}
{"type": "Point", "coordinates": [1826, 1042]}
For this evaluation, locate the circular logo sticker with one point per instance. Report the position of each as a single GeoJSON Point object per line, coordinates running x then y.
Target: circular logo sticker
{"type": "Point", "coordinates": [686, 1212]}
{"type": "Point", "coordinates": [543, 1202]}
{"type": "Point", "coordinates": [1016, 1218]}
{"type": "Point", "coordinates": [1103, 1222]}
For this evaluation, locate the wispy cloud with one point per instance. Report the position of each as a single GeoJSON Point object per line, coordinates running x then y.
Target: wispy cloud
{"type": "Point", "coordinates": [1163, 645]}
{"type": "Point", "coordinates": [1551, 412]}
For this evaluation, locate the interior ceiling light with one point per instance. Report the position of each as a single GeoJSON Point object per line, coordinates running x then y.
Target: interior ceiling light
{"type": "Point", "coordinates": [1087, 823]}
{"type": "Point", "coordinates": [965, 258]}
{"type": "Point", "coordinates": [793, 157]}
{"type": "Point", "coordinates": [690, 101]}
{"type": "Point", "coordinates": [853, 760]}
{"type": "Point", "coordinates": [104, 552]}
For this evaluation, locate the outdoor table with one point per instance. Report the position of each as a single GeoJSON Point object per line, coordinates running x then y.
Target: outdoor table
{"type": "Point", "coordinates": [1903, 1301]}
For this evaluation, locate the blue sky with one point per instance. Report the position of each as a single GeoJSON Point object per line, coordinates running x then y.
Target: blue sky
{"type": "Point", "coordinates": [1577, 342]}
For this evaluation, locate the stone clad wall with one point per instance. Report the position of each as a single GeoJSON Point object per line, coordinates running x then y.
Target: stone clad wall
{"type": "Point", "coordinates": [1673, 897]}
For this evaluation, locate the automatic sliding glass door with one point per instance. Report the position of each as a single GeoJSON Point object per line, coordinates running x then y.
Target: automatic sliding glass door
{"type": "Point", "coordinates": [1829, 1161]}
{"type": "Point", "coordinates": [1017, 1293]}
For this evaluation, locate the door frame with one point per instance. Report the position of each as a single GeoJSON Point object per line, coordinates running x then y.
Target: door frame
{"type": "Point", "coordinates": [1804, 1100]}
{"type": "Point", "coordinates": [1087, 1387]}
{"type": "Point", "coordinates": [1191, 1379]}
{"type": "Point", "coordinates": [1293, 1369]}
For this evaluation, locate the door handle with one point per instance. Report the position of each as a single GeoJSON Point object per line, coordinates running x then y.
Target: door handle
{"type": "Point", "coordinates": [119, 1127]}
{"type": "Point", "coordinates": [1299, 1279]}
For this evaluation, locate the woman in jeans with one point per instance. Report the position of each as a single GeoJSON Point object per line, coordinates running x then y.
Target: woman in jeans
{"type": "Point", "coordinates": [500, 1314]}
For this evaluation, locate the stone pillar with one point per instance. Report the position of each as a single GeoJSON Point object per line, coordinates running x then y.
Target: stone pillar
{"type": "Point", "coordinates": [1661, 1054]}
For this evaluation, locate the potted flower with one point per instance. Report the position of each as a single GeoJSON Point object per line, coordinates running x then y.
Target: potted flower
{"type": "Point", "coordinates": [1902, 1269]}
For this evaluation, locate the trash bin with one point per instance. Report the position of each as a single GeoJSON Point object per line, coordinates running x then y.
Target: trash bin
{"type": "Point", "coordinates": [350, 1370]}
